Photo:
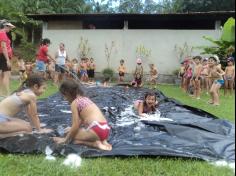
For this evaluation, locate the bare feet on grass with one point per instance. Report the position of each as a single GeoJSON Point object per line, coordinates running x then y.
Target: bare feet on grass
{"type": "Point", "coordinates": [210, 102]}
{"type": "Point", "coordinates": [216, 104]}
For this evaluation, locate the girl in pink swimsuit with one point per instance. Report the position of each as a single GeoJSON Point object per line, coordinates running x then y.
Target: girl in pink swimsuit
{"type": "Point", "coordinates": [89, 126]}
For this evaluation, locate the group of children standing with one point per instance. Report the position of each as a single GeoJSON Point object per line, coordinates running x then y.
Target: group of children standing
{"type": "Point", "coordinates": [199, 74]}
{"type": "Point", "coordinates": [85, 70]}
{"type": "Point", "coordinates": [138, 73]}
{"type": "Point", "coordinates": [60, 67]}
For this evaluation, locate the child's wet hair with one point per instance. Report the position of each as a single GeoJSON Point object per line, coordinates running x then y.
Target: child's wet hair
{"type": "Point", "coordinates": [74, 60]}
{"type": "Point", "coordinates": [151, 65]}
{"type": "Point", "coordinates": [230, 59]}
{"type": "Point", "coordinates": [150, 94]}
{"type": "Point", "coordinates": [215, 58]}
{"type": "Point", "coordinates": [71, 88]}
{"type": "Point", "coordinates": [197, 58]}
{"type": "Point", "coordinates": [212, 58]}
{"type": "Point", "coordinates": [32, 80]}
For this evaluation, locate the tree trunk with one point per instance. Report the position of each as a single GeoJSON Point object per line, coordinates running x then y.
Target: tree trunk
{"type": "Point", "coordinates": [32, 36]}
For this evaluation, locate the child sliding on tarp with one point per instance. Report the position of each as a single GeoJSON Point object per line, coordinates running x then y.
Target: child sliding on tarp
{"type": "Point", "coordinates": [146, 106]}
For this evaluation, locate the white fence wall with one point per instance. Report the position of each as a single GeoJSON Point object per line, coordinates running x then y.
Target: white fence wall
{"type": "Point", "coordinates": [161, 42]}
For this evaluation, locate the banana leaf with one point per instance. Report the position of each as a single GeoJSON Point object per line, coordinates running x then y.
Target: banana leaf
{"type": "Point", "coordinates": [229, 31]}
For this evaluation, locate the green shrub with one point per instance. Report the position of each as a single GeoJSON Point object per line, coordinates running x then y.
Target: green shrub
{"type": "Point", "coordinates": [176, 72]}
{"type": "Point", "coordinates": [26, 50]}
{"type": "Point", "coordinates": [108, 73]}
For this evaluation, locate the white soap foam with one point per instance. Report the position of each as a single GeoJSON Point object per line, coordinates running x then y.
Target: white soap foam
{"type": "Point", "coordinates": [129, 117]}
{"type": "Point", "coordinates": [66, 111]}
{"type": "Point", "coordinates": [43, 115]}
{"type": "Point", "coordinates": [48, 152]}
{"type": "Point", "coordinates": [43, 125]}
{"type": "Point", "coordinates": [51, 158]}
{"type": "Point", "coordinates": [73, 161]}
{"type": "Point", "coordinates": [223, 163]}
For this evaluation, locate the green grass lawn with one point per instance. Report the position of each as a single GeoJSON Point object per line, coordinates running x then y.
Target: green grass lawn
{"type": "Point", "coordinates": [36, 165]}
{"type": "Point", "coordinates": [225, 111]}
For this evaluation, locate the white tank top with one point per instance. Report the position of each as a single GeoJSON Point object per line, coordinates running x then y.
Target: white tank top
{"type": "Point", "coordinates": [61, 58]}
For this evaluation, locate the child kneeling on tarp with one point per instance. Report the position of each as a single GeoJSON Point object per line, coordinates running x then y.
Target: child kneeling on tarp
{"type": "Point", "coordinates": [24, 98]}
{"type": "Point", "coordinates": [87, 114]}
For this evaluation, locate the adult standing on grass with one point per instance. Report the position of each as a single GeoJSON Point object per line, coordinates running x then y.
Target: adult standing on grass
{"type": "Point", "coordinates": [43, 57]}
{"type": "Point", "coordinates": [5, 56]}
{"type": "Point", "coordinates": [61, 57]}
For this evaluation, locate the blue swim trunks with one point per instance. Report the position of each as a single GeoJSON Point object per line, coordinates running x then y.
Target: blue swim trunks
{"type": "Point", "coordinates": [83, 72]}
{"type": "Point", "coordinates": [220, 81]}
{"type": "Point", "coordinates": [40, 66]}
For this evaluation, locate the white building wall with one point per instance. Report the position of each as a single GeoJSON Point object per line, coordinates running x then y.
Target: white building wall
{"type": "Point", "coordinates": [161, 42]}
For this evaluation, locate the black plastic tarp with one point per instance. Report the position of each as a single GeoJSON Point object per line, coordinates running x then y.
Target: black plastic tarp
{"type": "Point", "coordinates": [187, 132]}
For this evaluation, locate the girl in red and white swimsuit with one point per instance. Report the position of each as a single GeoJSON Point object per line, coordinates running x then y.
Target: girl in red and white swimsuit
{"type": "Point", "coordinates": [89, 126]}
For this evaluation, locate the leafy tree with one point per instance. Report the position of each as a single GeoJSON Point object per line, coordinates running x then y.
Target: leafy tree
{"type": "Point", "coordinates": [101, 7]}
{"type": "Point", "coordinates": [13, 11]}
{"type": "Point", "coordinates": [68, 6]}
{"type": "Point", "coordinates": [53, 6]}
{"type": "Point", "coordinates": [131, 6]}
{"type": "Point", "coordinates": [170, 6]}
{"type": "Point", "coordinates": [229, 31]}
{"type": "Point", "coordinates": [225, 46]}
{"type": "Point", "coordinates": [166, 6]}
{"type": "Point", "coordinates": [203, 5]}
{"type": "Point", "coordinates": [150, 6]}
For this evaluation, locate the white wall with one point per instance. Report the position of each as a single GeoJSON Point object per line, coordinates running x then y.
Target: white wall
{"type": "Point", "coordinates": [161, 42]}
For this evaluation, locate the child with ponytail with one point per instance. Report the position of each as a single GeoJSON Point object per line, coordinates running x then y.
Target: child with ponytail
{"type": "Point", "coordinates": [89, 126]}
{"type": "Point", "coordinates": [23, 98]}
